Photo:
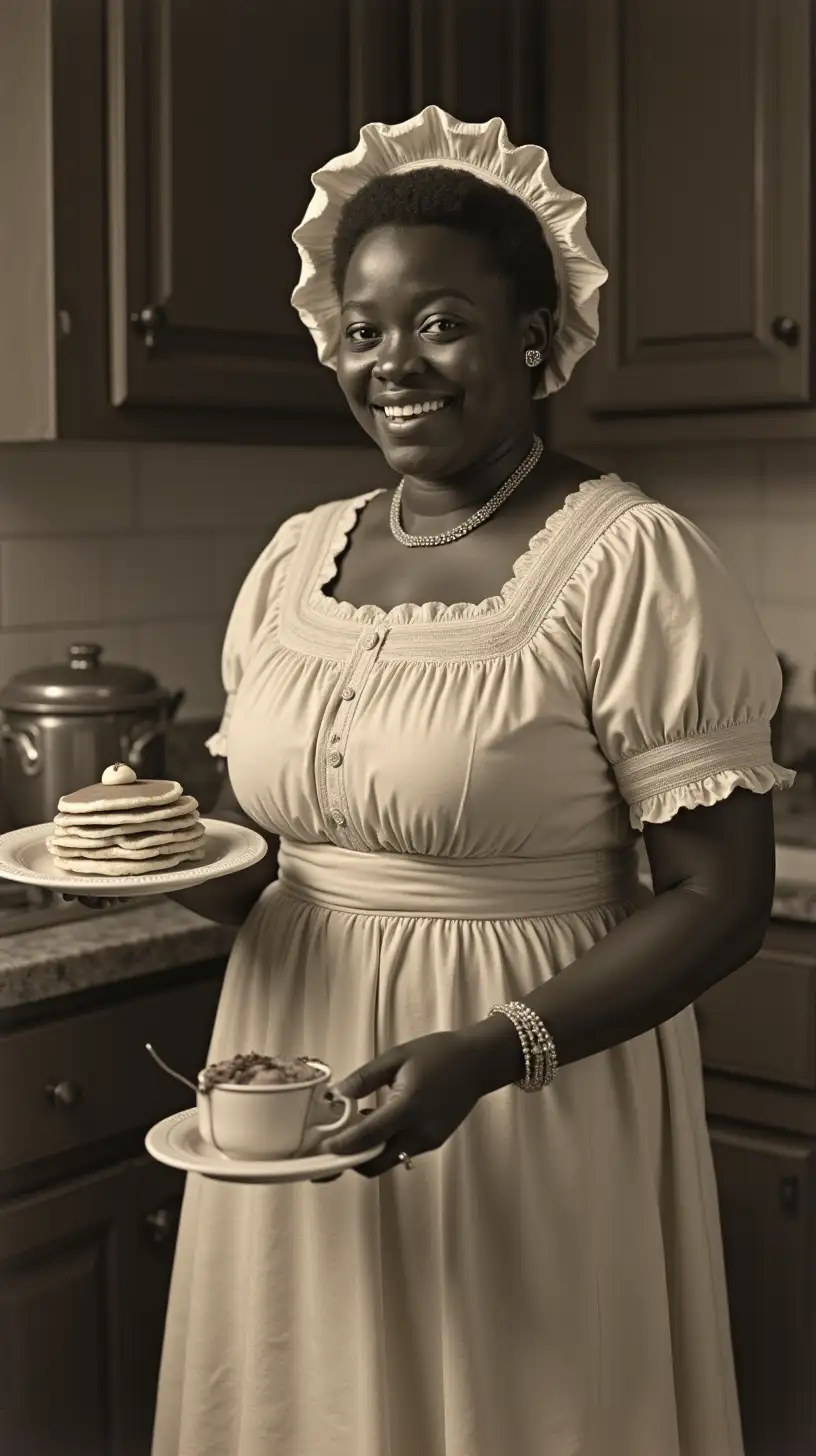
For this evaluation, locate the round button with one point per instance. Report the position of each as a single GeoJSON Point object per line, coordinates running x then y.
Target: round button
{"type": "Point", "coordinates": [338, 818]}
{"type": "Point", "coordinates": [371, 640]}
{"type": "Point", "coordinates": [347, 694]}
{"type": "Point", "coordinates": [335, 758]}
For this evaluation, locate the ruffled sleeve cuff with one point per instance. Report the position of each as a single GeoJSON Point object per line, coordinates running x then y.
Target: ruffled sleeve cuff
{"type": "Point", "coordinates": [217, 742]}
{"type": "Point", "coordinates": [702, 769]}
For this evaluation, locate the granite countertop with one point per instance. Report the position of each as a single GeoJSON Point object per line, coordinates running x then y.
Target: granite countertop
{"type": "Point", "coordinates": [37, 965]}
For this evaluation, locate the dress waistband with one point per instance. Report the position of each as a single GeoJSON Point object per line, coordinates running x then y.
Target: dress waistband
{"type": "Point", "coordinates": [383, 883]}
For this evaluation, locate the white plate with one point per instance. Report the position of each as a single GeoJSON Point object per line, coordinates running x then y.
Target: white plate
{"type": "Point", "coordinates": [177, 1142]}
{"type": "Point", "coordinates": [228, 848]}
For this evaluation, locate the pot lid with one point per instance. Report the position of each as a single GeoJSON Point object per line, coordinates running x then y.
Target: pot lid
{"type": "Point", "coordinates": [82, 684]}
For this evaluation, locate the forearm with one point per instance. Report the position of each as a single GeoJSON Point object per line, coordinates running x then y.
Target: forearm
{"type": "Point", "coordinates": [646, 970]}
{"type": "Point", "coordinates": [228, 900]}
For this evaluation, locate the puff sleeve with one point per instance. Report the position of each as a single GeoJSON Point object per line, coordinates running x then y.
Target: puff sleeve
{"type": "Point", "coordinates": [254, 611]}
{"type": "Point", "coordinates": [682, 679]}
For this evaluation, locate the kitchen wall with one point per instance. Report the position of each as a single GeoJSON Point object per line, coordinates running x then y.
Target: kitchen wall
{"type": "Point", "coordinates": [758, 503]}
{"type": "Point", "coordinates": [143, 548]}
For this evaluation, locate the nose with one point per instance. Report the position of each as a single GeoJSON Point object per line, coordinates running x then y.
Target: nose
{"type": "Point", "coordinates": [398, 357]}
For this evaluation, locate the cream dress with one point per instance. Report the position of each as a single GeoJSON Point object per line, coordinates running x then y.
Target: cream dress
{"type": "Point", "coordinates": [458, 791]}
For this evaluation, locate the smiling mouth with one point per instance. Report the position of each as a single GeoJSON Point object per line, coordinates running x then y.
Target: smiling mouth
{"type": "Point", "coordinates": [406, 416]}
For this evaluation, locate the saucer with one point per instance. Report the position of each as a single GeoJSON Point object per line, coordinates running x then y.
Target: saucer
{"type": "Point", "coordinates": [177, 1142]}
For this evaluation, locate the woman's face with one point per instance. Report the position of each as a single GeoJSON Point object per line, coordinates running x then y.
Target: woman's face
{"type": "Point", "coordinates": [431, 358]}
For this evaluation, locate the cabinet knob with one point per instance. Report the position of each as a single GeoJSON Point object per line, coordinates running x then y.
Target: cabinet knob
{"type": "Point", "coordinates": [160, 1226]}
{"type": "Point", "coordinates": [786, 330]}
{"type": "Point", "coordinates": [148, 322]}
{"type": "Point", "coordinates": [789, 1194]}
{"type": "Point", "coordinates": [63, 1094]}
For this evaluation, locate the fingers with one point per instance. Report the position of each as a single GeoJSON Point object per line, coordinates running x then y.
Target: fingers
{"type": "Point", "coordinates": [332, 1178]}
{"type": "Point", "coordinates": [387, 1161]}
{"type": "Point", "coordinates": [97, 902]}
{"type": "Point", "coordinates": [380, 1125]}
{"type": "Point", "coordinates": [373, 1075]}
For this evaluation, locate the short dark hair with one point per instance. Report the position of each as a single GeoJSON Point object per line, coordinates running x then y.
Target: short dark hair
{"type": "Point", "coordinates": [450, 197]}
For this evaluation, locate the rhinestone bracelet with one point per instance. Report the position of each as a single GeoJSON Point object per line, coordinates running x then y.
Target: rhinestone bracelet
{"type": "Point", "coordinates": [546, 1055]}
{"type": "Point", "coordinates": [538, 1047]}
{"type": "Point", "coordinates": [544, 1045]}
{"type": "Point", "coordinates": [523, 1036]}
{"type": "Point", "coordinates": [541, 1051]}
{"type": "Point", "coordinates": [535, 1080]}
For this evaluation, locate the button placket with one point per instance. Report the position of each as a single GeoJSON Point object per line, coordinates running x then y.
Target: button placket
{"type": "Point", "coordinates": [332, 746]}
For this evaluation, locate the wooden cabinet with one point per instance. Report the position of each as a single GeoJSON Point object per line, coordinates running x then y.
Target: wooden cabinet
{"type": "Point", "coordinates": [688, 126]}
{"type": "Point", "coordinates": [84, 1279]}
{"type": "Point", "coordinates": [768, 1215]}
{"type": "Point", "coordinates": [88, 1221]}
{"type": "Point", "coordinates": [61, 1261]}
{"type": "Point", "coordinates": [152, 1230]}
{"type": "Point", "coordinates": [162, 157]}
{"type": "Point", "coordinates": [757, 1035]}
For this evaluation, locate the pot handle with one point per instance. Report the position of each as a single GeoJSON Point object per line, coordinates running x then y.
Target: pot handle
{"type": "Point", "coordinates": [174, 702]}
{"type": "Point", "coordinates": [26, 741]}
{"type": "Point", "coordinates": [135, 742]}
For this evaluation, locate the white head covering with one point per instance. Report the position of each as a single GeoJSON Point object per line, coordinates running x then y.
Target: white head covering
{"type": "Point", "coordinates": [435, 139]}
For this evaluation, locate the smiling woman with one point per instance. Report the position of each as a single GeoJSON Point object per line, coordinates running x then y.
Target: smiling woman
{"type": "Point", "coordinates": [446, 283]}
{"type": "Point", "coordinates": [458, 747]}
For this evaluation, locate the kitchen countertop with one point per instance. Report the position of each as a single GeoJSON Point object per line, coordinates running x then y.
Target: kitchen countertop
{"type": "Point", "coordinates": [37, 965]}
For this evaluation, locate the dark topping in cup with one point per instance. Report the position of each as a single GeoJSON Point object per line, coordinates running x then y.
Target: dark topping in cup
{"type": "Point", "coordinates": [253, 1068]}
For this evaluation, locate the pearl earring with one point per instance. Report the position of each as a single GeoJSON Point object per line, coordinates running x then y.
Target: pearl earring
{"type": "Point", "coordinates": [532, 358]}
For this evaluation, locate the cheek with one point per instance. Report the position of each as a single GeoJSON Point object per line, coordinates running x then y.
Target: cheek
{"type": "Point", "coordinates": [486, 378]}
{"type": "Point", "coordinates": [352, 376]}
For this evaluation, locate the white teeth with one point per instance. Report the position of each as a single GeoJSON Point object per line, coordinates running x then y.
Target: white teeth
{"type": "Point", "coordinates": [408, 411]}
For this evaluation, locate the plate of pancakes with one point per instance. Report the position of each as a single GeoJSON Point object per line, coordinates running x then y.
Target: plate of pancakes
{"type": "Point", "coordinates": [127, 836]}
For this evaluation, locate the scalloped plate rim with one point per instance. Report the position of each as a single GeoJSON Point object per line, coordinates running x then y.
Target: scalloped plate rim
{"type": "Point", "coordinates": [242, 847]}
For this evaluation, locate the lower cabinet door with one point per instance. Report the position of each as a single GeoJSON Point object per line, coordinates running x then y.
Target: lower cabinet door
{"type": "Point", "coordinates": [64, 1387]}
{"type": "Point", "coordinates": [156, 1205]}
{"type": "Point", "coordinates": [84, 1276]}
{"type": "Point", "coordinates": [767, 1209]}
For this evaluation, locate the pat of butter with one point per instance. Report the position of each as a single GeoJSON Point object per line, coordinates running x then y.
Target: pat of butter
{"type": "Point", "coordinates": [119, 773]}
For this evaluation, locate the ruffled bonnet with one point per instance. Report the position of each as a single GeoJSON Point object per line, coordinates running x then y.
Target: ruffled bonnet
{"type": "Point", "coordinates": [433, 138]}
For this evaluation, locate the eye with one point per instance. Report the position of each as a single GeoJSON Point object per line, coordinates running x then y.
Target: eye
{"type": "Point", "coordinates": [361, 333]}
{"type": "Point", "coordinates": [443, 325]}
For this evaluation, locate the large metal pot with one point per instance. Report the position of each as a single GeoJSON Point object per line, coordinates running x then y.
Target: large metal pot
{"type": "Point", "coordinates": [61, 726]}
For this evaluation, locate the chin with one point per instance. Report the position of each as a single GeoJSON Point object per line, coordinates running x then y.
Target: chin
{"type": "Point", "coordinates": [424, 462]}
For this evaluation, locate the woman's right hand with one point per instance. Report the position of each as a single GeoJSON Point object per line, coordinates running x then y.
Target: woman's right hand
{"type": "Point", "coordinates": [97, 902]}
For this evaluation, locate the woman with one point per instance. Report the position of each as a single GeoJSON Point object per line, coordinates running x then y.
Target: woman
{"type": "Point", "coordinates": [455, 749]}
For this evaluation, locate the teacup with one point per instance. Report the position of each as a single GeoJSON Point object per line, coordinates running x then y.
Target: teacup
{"type": "Point", "coordinates": [268, 1122]}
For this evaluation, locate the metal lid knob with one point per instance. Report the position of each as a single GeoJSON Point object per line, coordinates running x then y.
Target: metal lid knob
{"type": "Point", "coordinates": [84, 654]}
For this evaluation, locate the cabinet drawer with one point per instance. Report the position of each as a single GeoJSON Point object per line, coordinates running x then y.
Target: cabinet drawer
{"type": "Point", "coordinates": [109, 1084]}
{"type": "Point", "coordinates": [761, 1020]}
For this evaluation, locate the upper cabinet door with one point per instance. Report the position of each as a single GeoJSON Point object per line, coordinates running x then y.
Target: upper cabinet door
{"type": "Point", "coordinates": [217, 114]}
{"type": "Point", "coordinates": [698, 174]}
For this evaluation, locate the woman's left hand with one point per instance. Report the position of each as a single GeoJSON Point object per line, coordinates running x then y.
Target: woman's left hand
{"type": "Point", "coordinates": [435, 1083]}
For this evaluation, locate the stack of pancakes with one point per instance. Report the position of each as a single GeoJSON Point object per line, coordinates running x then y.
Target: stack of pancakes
{"type": "Point", "coordinates": [135, 828]}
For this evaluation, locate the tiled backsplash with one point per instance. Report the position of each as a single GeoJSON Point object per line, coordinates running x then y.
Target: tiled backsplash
{"type": "Point", "coordinates": [142, 548]}
{"type": "Point", "coordinates": [758, 503]}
